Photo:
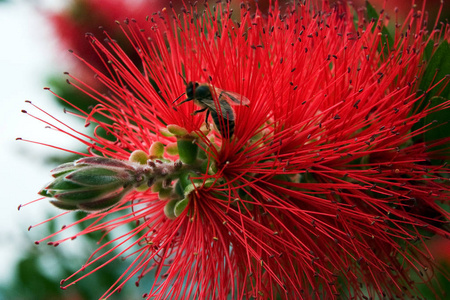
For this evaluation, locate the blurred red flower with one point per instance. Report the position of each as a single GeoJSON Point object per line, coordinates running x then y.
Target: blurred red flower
{"type": "Point", "coordinates": [95, 16]}
{"type": "Point", "coordinates": [315, 189]}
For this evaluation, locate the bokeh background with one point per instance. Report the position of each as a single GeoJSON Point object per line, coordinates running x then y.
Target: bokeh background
{"type": "Point", "coordinates": [35, 36]}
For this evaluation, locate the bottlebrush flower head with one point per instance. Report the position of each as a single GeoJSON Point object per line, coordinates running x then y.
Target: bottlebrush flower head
{"type": "Point", "coordinates": [312, 176]}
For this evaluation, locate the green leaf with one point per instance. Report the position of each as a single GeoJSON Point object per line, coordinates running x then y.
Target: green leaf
{"type": "Point", "coordinates": [438, 67]}
{"type": "Point", "coordinates": [442, 117]}
{"type": "Point", "coordinates": [428, 51]}
{"type": "Point", "coordinates": [371, 12]}
{"type": "Point", "coordinates": [386, 35]}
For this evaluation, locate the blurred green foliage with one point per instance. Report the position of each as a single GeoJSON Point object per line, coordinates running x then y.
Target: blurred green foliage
{"type": "Point", "coordinates": [38, 273]}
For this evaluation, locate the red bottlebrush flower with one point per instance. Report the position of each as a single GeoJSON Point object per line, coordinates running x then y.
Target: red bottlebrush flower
{"type": "Point", "coordinates": [94, 16]}
{"type": "Point", "coordinates": [309, 178]}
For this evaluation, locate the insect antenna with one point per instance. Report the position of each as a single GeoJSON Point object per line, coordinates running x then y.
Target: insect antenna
{"type": "Point", "coordinates": [178, 98]}
{"type": "Point", "coordinates": [184, 80]}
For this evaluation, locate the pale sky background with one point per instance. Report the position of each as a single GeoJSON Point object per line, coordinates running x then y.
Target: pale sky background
{"type": "Point", "coordinates": [29, 55]}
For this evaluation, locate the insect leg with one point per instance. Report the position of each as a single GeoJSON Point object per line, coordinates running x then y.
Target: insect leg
{"type": "Point", "coordinates": [184, 101]}
{"type": "Point", "coordinates": [199, 111]}
{"type": "Point", "coordinates": [206, 119]}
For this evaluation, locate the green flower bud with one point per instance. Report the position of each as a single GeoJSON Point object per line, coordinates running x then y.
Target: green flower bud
{"type": "Point", "coordinates": [205, 166]}
{"type": "Point", "coordinates": [99, 183]}
{"type": "Point", "coordinates": [165, 132]}
{"type": "Point", "coordinates": [177, 130]}
{"type": "Point", "coordinates": [201, 153]}
{"type": "Point", "coordinates": [156, 187]}
{"type": "Point", "coordinates": [185, 181]}
{"type": "Point", "coordinates": [156, 150]}
{"type": "Point", "coordinates": [91, 183]}
{"type": "Point", "coordinates": [198, 183]}
{"type": "Point", "coordinates": [179, 189]}
{"type": "Point", "coordinates": [172, 149]}
{"type": "Point", "coordinates": [138, 156]}
{"type": "Point", "coordinates": [164, 193]}
{"type": "Point", "coordinates": [187, 150]}
{"type": "Point", "coordinates": [180, 206]}
{"type": "Point", "coordinates": [169, 209]}
{"type": "Point", "coordinates": [143, 187]}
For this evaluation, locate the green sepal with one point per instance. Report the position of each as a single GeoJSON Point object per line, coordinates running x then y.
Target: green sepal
{"type": "Point", "coordinates": [180, 206]}
{"type": "Point", "coordinates": [182, 183]}
{"type": "Point", "coordinates": [188, 150]}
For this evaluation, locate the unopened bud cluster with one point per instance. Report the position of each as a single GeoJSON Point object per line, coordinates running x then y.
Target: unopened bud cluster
{"type": "Point", "coordinates": [99, 183]}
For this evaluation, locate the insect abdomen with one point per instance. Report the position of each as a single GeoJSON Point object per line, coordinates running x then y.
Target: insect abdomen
{"type": "Point", "coordinates": [223, 125]}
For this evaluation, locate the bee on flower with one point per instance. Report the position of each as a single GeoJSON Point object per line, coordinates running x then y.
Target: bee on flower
{"type": "Point", "coordinates": [313, 181]}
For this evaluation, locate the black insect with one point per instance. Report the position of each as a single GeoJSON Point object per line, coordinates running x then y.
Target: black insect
{"type": "Point", "coordinates": [203, 96]}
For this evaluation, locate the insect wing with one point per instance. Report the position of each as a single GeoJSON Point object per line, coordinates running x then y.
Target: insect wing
{"type": "Point", "coordinates": [232, 98]}
{"type": "Point", "coordinates": [225, 109]}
